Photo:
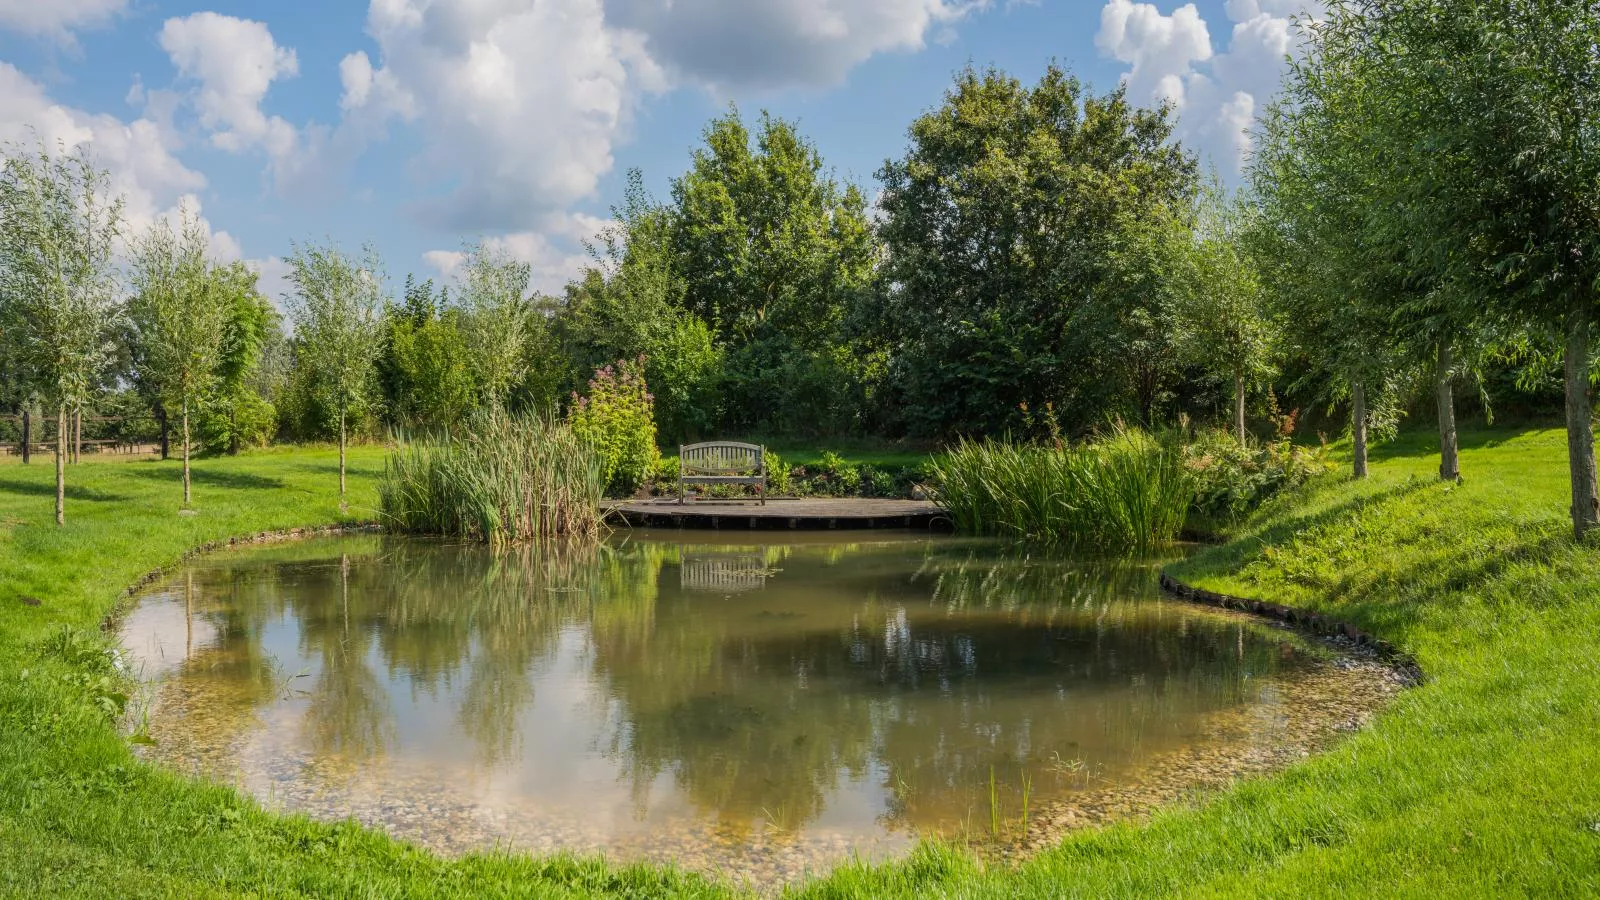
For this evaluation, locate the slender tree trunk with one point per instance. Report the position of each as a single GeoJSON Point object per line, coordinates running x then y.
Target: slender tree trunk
{"type": "Point", "coordinates": [186, 454]}
{"type": "Point", "coordinates": [341, 454]}
{"type": "Point", "coordinates": [27, 437]}
{"type": "Point", "coordinates": [1580, 428]}
{"type": "Point", "coordinates": [1238, 404]}
{"type": "Point", "coordinates": [1449, 455]}
{"type": "Point", "coordinates": [1358, 426]}
{"type": "Point", "coordinates": [61, 463]}
{"type": "Point", "coordinates": [77, 436]}
{"type": "Point", "coordinates": [166, 428]}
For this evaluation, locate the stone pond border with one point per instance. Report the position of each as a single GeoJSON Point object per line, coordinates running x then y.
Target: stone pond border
{"type": "Point", "coordinates": [1315, 623]}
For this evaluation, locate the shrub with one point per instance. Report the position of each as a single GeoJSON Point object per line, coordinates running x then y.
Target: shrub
{"type": "Point", "coordinates": [508, 480]}
{"type": "Point", "coordinates": [618, 419]}
{"type": "Point", "coordinates": [777, 473]}
{"type": "Point", "coordinates": [1231, 480]}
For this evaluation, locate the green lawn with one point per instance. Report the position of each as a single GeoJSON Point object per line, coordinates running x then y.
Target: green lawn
{"type": "Point", "coordinates": [1484, 781]}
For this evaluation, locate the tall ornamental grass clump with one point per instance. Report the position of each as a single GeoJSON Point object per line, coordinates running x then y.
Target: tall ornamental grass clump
{"type": "Point", "coordinates": [507, 479]}
{"type": "Point", "coordinates": [1126, 492]}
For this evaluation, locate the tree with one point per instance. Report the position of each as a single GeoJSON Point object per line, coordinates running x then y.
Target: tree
{"type": "Point", "coordinates": [1011, 226]}
{"type": "Point", "coordinates": [630, 304]}
{"type": "Point", "coordinates": [1220, 319]}
{"type": "Point", "coordinates": [426, 372]}
{"type": "Point", "coordinates": [180, 309]}
{"type": "Point", "coordinates": [58, 281]}
{"type": "Point", "coordinates": [237, 412]}
{"type": "Point", "coordinates": [1490, 112]}
{"type": "Point", "coordinates": [772, 252]}
{"type": "Point", "coordinates": [337, 309]}
{"type": "Point", "coordinates": [499, 319]}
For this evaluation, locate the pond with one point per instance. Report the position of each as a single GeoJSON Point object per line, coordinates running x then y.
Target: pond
{"type": "Point", "coordinates": [755, 710]}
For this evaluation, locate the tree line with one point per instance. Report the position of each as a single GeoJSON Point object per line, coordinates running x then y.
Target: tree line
{"type": "Point", "coordinates": [1043, 259]}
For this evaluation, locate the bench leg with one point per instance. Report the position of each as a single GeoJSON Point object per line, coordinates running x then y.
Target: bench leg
{"type": "Point", "coordinates": [680, 490]}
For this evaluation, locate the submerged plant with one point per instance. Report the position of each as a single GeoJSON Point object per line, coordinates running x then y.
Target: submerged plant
{"type": "Point", "coordinates": [508, 479]}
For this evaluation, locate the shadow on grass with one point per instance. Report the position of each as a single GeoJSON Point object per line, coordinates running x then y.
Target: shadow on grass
{"type": "Point", "coordinates": [1423, 442]}
{"type": "Point", "coordinates": [210, 477]}
{"type": "Point", "coordinates": [48, 489]}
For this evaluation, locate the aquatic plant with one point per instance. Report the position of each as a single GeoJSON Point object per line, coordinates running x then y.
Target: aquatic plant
{"type": "Point", "coordinates": [505, 479]}
{"type": "Point", "coordinates": [1127, 491]}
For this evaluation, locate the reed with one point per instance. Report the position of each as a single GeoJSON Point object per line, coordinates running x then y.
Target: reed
{"type": "Point", "coordinates": [1127, 491]}
{"type": "Point", "coordinates": [507, 479]}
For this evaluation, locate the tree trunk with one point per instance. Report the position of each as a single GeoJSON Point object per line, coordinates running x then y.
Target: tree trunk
{"type": "Point", "coordinates": [77, 436]}
{"type": "Point", "coordinates": [166, 429]}
{"type": "Point", "coordinates": [1449, 455]}
{"type": "Point", "coordinates": [1580, 428]}
{"type": "Point", "coordinates": [27, 437]}
{"type": "Point", "coordinates": [186, 454]}
{"type": "Point", "coordinates": [1358, 426]}
{"type": "Point", "coordinates": [341, 454]}
{"type": "Point", "coordinates": [1238, 404]}
{"type": "Point", "coordinates": [61, 463]}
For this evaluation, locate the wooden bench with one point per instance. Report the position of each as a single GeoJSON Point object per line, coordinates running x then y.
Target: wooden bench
{"type": "Point", "coordinates": [723, 462]}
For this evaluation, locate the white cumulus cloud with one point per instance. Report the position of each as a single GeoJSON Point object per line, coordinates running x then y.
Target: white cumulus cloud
{"type": "Point", "coordinates": [1217, 96]}
{"type": "Point", "coordinates": [57, 18]}
{"type": "Point", "coordinates": [781, 43]}
{"type": "Point", "coordinates": [232, 63]}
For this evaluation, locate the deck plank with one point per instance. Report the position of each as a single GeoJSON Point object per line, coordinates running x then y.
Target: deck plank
{"type": "Point", "coordinates": [810, 514]}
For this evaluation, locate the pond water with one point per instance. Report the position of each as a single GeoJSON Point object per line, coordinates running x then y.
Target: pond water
{"type": "Point", "coordinates": [758, 710]}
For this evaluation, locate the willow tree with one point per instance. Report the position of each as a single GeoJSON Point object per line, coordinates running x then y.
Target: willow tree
{"type": "Point", "coordinates": [1483, 116]}
{"type": "Point", "coordinates": [180, 310]}
{"type": "Point", "coordinates": [337, 308]}
{"type": "Point", "coordinates": [500, 323]}
{"type": "Point", "coordinates": [1218, 312]}
{"type": "Point", "coordinates": [58, 280]}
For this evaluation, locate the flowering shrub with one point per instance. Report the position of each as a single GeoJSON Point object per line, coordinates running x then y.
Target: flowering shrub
{"type": "Point", "coordinates": [618, 419]}
{"type": "Point", "coordinates": [1231, 480]}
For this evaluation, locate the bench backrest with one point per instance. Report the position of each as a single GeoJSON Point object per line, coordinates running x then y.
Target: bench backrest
{"type": "Point", "coordinates": [720, 457]}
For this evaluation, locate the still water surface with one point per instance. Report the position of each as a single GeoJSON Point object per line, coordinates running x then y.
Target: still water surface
{"type": "Point", "coordinates": [758, 710]}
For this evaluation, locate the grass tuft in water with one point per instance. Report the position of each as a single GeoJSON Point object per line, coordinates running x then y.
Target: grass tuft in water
{"type": "Point", "coordinates": [1128, 491]}
{"type": "Point", "coordinates": [509, 479]}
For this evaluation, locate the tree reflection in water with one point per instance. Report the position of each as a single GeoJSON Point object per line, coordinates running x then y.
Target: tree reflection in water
{"type": "Point", "coordinates": [880, 683]}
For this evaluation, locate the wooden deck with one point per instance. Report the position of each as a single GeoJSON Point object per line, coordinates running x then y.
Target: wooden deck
{"type": "Point", "coordinates": [819, 514]}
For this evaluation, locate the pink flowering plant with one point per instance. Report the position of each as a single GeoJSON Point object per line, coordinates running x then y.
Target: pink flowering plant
{"type": "Point", "coordinates": [617, 417]}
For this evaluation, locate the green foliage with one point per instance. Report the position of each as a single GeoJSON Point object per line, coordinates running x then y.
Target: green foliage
{"type": "Point", "coordinates": [58, 289]}
{"type": "Point", "coordinates": [777, 473]}
{"type": "Point", "coordinates": [630, 304]}
{"type": "Point", "coordinates": [617, 416]}
{"type": "Point", "coordinates": [425, 368]}
{"type": "Point", "coordinates": [774, 254]}
{"type": "Point", "coordinates": [1126, 492]}
{"type": "Point", "coordinates": [1219, 317]}
{"type": "Point", "coordinates": [506, 479]}
{"type": "Point", "coordinates": [1232, 479]}
{"type": "Point", "coordinates": [500, 322]}
{"type": "Point", "coordinates": [228, 424]}
{"type": "Point", "coordinates": [337, 310]}
{"type": "Point", "coordinates": [1024, 228]}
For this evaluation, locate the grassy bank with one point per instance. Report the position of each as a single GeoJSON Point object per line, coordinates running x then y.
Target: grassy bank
{"type": "Point", "coordinates": [79, 816]}
{"type": "Point", "coordinates": [1481, 782]}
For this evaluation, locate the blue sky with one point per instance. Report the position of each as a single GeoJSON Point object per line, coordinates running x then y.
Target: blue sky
{"type": "Point", "coordinates": [418, 124]}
